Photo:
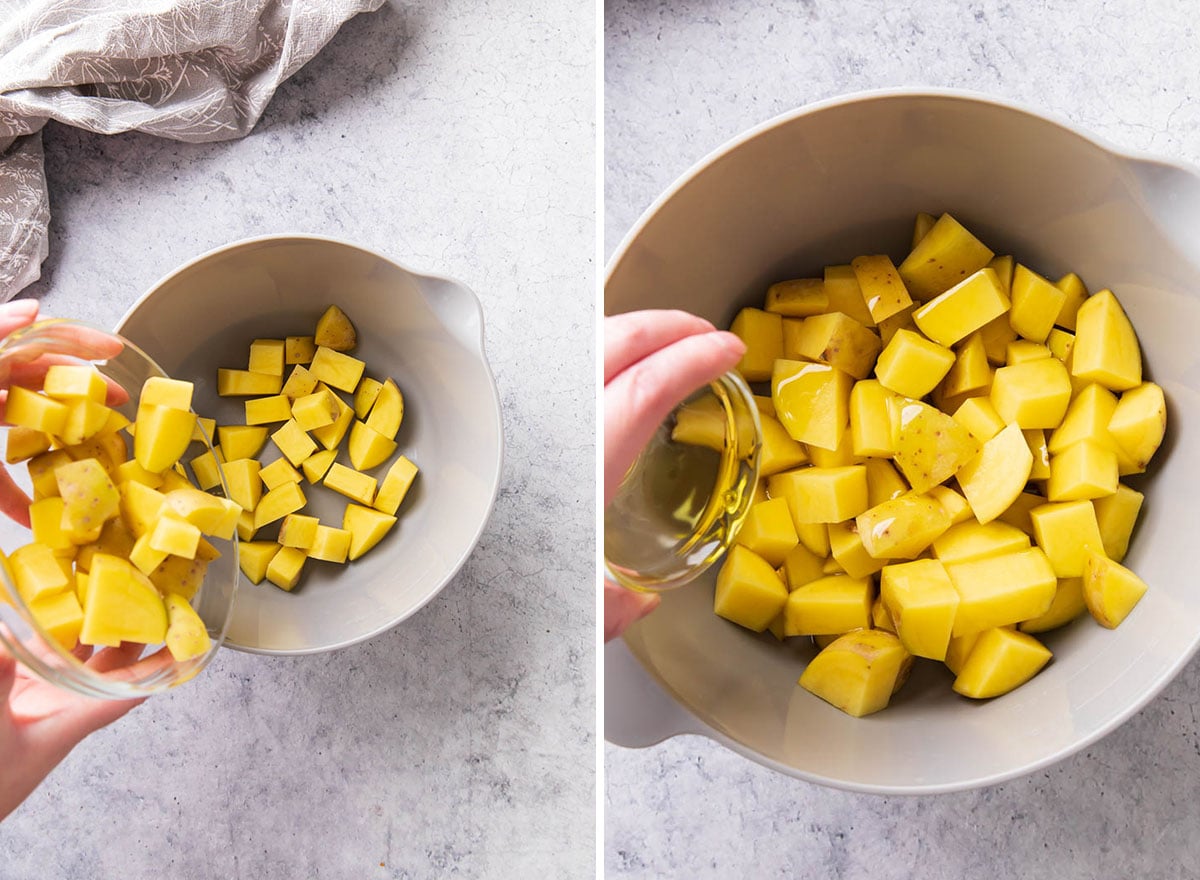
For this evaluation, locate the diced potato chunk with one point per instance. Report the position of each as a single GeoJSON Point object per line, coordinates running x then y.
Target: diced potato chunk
{"type": "Point", "coordinates": [845, 296]}
{"type": "Point", "coordinates": [993, 479]}
{"type": "Point", "coordinates": [1110, 590]}
{"type": "Point", "coordinates": [366, 527]}
{"type": "Point", "coordinates": [858, 672]}
{"type": "Point", "coordinates": [61, 617]}
{"type": "Point", "coordinates": [368, 448]}
{"type": "Point", "coordinates": [1000, 660]}
{"type": "Point", "coordinates": [972, 540]}
{"type": "Point", "coordinates": [24, 443]}
{"type": "Point", "coordinates": [1084, 470]}
{"type": "Point", "coordinates": [255, 556]}
{"type": "Point", "coordinates": [903, 527]}
{"type": "Point", "coordinates": [298, 531]}
{"type": "Point", "coordinates": [187, 637]}
{"type": "Point", "coordinates": [846, 545]}
{"type": "Point", "coordinates": [36, 572]}
{"type": "Point", "coordinates": [944, 257]}
{"type": "Point", "coordinates": [1067, 532]}
{"type": "Point", "coordinates": [122, 605]}
{"type": "Point", "coordinates": [70, 382]}
{"type": "Point", "coordinates": [922, 603]}
{"type": "Point", "coordinates": [293, 442]}
{"type": "Point", "coordinates": [882, 288]}
{"type": "Point", "coordinates": [962, 309]}
{"type": "Point", "coordinates": [241, 441]}
{"type": "Point", "coordinates": [244, 383]}
{"type": "Point", "coordinates": [365, 396]}
{"type": "Point", "coordinates": [1116, 516]}
{"type": "Point", "coordinates": [822, 495]}
{"type": "Point", "coordinates": [353, 484]}
{"type": "Point", "coordinates": [335, 331]}
{"type": "Point", "coordinates": [300, 382]}
{"type": "Point", "coordinates": [298, 350]}
{"type": "Point", "coordinates": [330, 544]}
{"type": "Point", "coordinates": [315, 410]}
{"type": "Point", "coordinates": [839, 341]}
{"type": "Point", "coordinates": [1139, 422]}
{"type": "Point", "coordinates": [1067, 605]}
{"type": "Point", "coordinates": [768, 531]}
{"type": "Point", "coordinates": [1106, 349]}
{"type": "Point", "coordinates": [36, 411]}
{"type": "Point", "coordinates": [285, 568]}
{"type": "Point", "coordinates": [163, 436]}
{"type": "Point", "coordinates": [1036, 304]}
{"type": "Point", "coordinates": [266, 356]}
{"type": "Point", "coordinates": [930, 445]}
{"type": "Point", "coordinates": [1001, 590]}
{"type": "Point", "coordinates": [798, 298]}
{"type": "Point", "coordinates": [911, 365]}
{"type": "Point", "coordinates": [317, 464]}
{"type": "Point", "coordinates": [812, 401]}
{"type": "Point", "coordinates": [265, 410]}
{"type": "Point", "coordinates": [278, 503]}
{"type": "Point", "coordinates": [835, 604]}
{"type": "Point", "coordinates": [1034, 394]}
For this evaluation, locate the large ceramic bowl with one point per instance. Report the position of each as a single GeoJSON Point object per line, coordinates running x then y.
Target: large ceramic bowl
{"type": "Point", "coordinates": [822, 185]}
{"type": "Point", "coordinates": [425, 332]}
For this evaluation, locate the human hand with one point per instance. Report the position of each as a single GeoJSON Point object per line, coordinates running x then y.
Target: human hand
{"type": "Point", "coordinates": [652, 361]}
{"type": "Point", "coordinates": [39, 722]}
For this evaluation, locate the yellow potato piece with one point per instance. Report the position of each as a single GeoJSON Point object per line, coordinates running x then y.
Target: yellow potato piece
{"type": "Point", "coordinates": [883, 482]}
{"type": "Point", "coordinates": [317, 464]}
{"type": "Point", "coordinates": [1001, 659]}
{"type": "Point", "coordinates": [1106, 348]}
{"type": "Point", "coordinates": [870, 419]}
{"type": "Point", "coordinates": [285, 568]}
{"type": "Point", "coordinates": [330, 544]}
{"type": "Point", "coordinates": [798, 298]}
{"type": "Point", "coordinates": [839, 341]}
{"type": "Point", "coordinates": [255, 556]}
{"type": "Point", "coordinates": [298, 531]}
{"type": "Point", "coordinates": [921, 227]}
{"type": "Point", "coordinates": [882, 288]}
{"type": "Point", "coordinates": [331, 435]}
{"type": "Point", "coordinates": [801, 566]}
{"type": "Point", "coordinates": [388, 411]}
{"type": "Point", "coordinates": [946, 255]}
{"type": "Point", "coordinates": [1060, 343]}
{"type": "Point", "coordinates": [35, 572]}
{"type": "Point", "coordinates": [60, 616]}
{"type": "Point", "coordinates": [162, 437]}
{"type": "Point", "coordinates": [1036, 304]}
{"type": "Point", "coordinates": [830, 605]}
{"type": "Point", "coordinates": [858, 672]}
{"type": "Point", "coordinates": [846, 545]}
{"type": "Point", "coordinates": [187, 637]}
{"type": "Point", "coordinates": [266, 356]}
{"type": "Point", "coordinates": [778, 451]}
{"type": "Point", "coordinates": [971, 370]}
{"type": "Point", "coordinates": [368, 448]}
{"type": "Point", "coordinates": [365, 396]}
{"type": "Point", "coordinates": [300, 382]}
{"type": "Point", "coordinates": [144, 557]}
{"type": "Point", "coordinates": [175, 536]}
{"type": "Point", "coordinates": [277, 473]}
{"type": "Point", "coordinates": [768, 531]}
{"type": "Point", "coordinates": [85, 418]}
{"type": "Point", "coordinates": [911, 365]}
{"type": "Point", "coordinates": [1003, 267]}
{"type": "Point", "coordinates": [241, 441]}
{"type": "Point", "coordinates": [1115, 517]}
{"type": "Point", "coordinates": [278, 503]}
{"type": "Point", "coordinates": [930, 445]}
{"type": "Point", "coordinates": [1139, 422]}
{"type": "Point", "coordinates": [265, 410]}
{"type": "Point", "coordinates": [335, 330]}
{"type": "Point", "coordinates": [122, 605]}
{"type": "Point", "coordinates": [963, 309]}
{"type": "Point", "coordinates": [1022, 350]}
{"type": "Point", "coordinates": [353, 484]}
{"type": "Point", "coordinates": [972, 540]}
{"type": "Point", "coordinates": [1000, 590]}
{"type": "Point", "coordinates": [922, 603]}
{"type": "Point", "coordinates": [315, 410]}
{"type": "Point", "coordinates": [24, 443]}
{"type": "Point", "coordinates": [70, 382]}
{"type": "Point", "coordinates": [1084, 470]}
{"type": "Point", "coordinates": [1110, 590]}
{"type": "Point", "coordinates": [293, 442]}
{"type": "Point", "coordinates": [993, 479]}
{"type": "Point", "coordinates": [366, 527]}
{"type": "Point", "coordinates": [1067, 531]}
{"type": "Point", "coordinates": [1068, 604]}
{"type": "Point", "coordinates": [244, 383]}
{"type": "Point", "coordinates": [749, 592]}
{"type": "Point", "coordinates": [1087, 418]}
{"type": "Point", "coordinates": [1076, 292]}
{"type": "Point", "coordinates": [206, 468]}
{"type": "Point", "coordinates": [812, 401]}
{"type": "Point", "coordinates": [45, 521]}
{"type": "Point", "coordinates": [1034, 394]}
{"type": "Point", "coordinates": [822, 495]}
{"type": "Point", "coordinates": [845, 295]}
{"type": "Point", "coordinates": [953, 503]}
{"type": "Point", "coordinates": [35, 411]}
{"type": "Point", "coordinates": [903, 527]}
{"type": "Point", "coordinates": [242, 477]}
{"type": "Point", "coordinates": [298, 350]}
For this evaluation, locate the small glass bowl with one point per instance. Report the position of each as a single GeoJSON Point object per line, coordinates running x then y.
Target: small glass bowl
{"type": "Point", "coordinates": [68, 341]}
{"type": "Point", "coordinates": [680, 505]}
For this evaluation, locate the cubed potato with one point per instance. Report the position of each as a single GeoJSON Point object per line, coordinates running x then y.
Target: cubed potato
{"type": "Point", "coordinates": [1083, 470]}
{"type": "Point", "coordinates": [241, 441]}
{"type": "Point", "coordinates": [801, 566]}
{"type": "Point", "coordinates": [140, 506]}
{"type": "Point", "coordinates": [1106, 348]}
{"type": "Point", "coordinates": [1034, 394]}
{"type": "Point", "coordinates": [186, 636]}
{"type": "Point", "coordinates": [340, 371]}
{"type": "Point", "coordinates": [316, 410]}
{"type": "Point", "coordinates": [971, 369]}
{"type": "Point", "coordinates": [144, 557]}
{"type": "Point", "coordinates": [778, 451]}
{"type": "Point", "coordinates": [842, 456]}
{"type": "Point", "coordinates": [245, 526]}
{"type": "Point", "coordinates": [298, 350]}
{"type": "Point", "coordinates": [980, 418]}
{"type": "Point", "coordinates": [85, 419]}
{"type": "Point", "coordinates": [1021, 350]}
{"type": "Point", "coordinates": [45, 521]}
{"type": "Point", "coordinates": [267, 356]}
{"type": "Point", "coordinates": [331, 435]}
{"type": "Point", "coordinates": [24, 443]}
{"type": "Point", "coordinates": [285, 568]}
{"type": "Point", "coordinates": [953, 503]}
{"type": "Point", "coordinates": [70, 382]}
{"type": "Point", "coordinates": [762, 332]}
{"type": "Point", "coordinates": [993, 479]}
{"type": "Point", "coordinates": [122, 605]}
{"type": "Point", "coordinates": [1003, 267]}
{"type": "Point", "coordinates": [882, 288]}
{"type": "Point", "coordinates": [278, 503]}
{"type": "Point", "coordinates": [822, 495]}
{"type": "Point", "coordinates": [1000, 660]}
{"type": "Point", "coordinates": [812, 401]}
{"type": "Point", "coordinates": [366, 527]}
{"type": "Point", "coordinates": [368, 448]}
{"type": "Point", "coordinates": [29, 409]}
{"type": "Point", "coordinates": [41, 472]}
{"type": "Point", "coordinates": [870, 419]}
{"type": "Point", "coordinates": [353, 484]}
{"type": "Point", "coordinates": [330, 544]}
{"type": "Point", "coordinates": [1001, 590]}
{"type": "Point", "coordinates": [1068, 604]}
{"type": "Point", "coordinates": [277, 473]}
{"type": "Point", "coordinates": [60, 616]}
{"type": "Point", "coordinates": [244, 383]}
{"type": "Point", "coordinates": [293, 442]}
{"type": "Point", "coordinates": [921, 227]}
{"type": "Point", "coordinates": [365, 396]}
{"type": "Point", "coordinates": [846, 545]}
{"type": "Point", "coordinates": [839, 341]}
{"type": "Point", "coordinates": [798, 298]}
{"type": "Point", "coordinates": [208, 513]}
{"type": "Point", "coordinates": [1110, 590]}
{"type": "Point", "coordinates": [1086, 418]}
{"type": "Point", "coordinates": [242, 477]}
{"type": "Point", "coordinates": [1067, 531]}
{"type": "Point", "coordinates": [89, 496]}
{"type": "Point", "coordinates": [922, 603]}
{"type": "Point", "coordinates": [265, 410]}
{"type": "Point", "coordinates": [1018, 514]}
{"type": "Point", "coordinates": [700, 422]}
{"type": "Point", "coordinates": [946, 256]}
{"type": "Point", "coordinates": [388, 412]}
{"type": "Point", "coordinates": [255, 556]}
{"type": "Point", "coordinates": [883, 482]}
{"type": "Point", "coordinates": [830, 605]}
{"type": "Point", "coordinates": [1035, 439]}
{"type": "Point", "coordinates": [317, 464]}
{"type": "Point", "coordinates": [997, 334]}
{"type": "Point", "coordinates": [35, 571]}
{"type": "Point", "coordinates": [300, 382]}
{"type": "Point", "coordinates": [903, 527]}
{"type": "Point", "coordinates": [180, 577]}
{"type": "Point", "coordinates": [1036, 304]}
{"type": "Point", "coordinates": [911, 365]}
{"type": "Point", "coordinates": [1060, 343]}
{"type": "Point", "coordinates": [335, 330]}
{"type": "Point", "coordinates": [163, 436]}
{"type": "Point", "coordinates": [1139, 422]}
{"type": "Point", "coordinates": [205, 466]}
{"type": "Point", "coordinates": [768, 531]}
{"type": "Point", "coordinates": [749, 592]}
{"type": "Point", "coordinates": [930, 445]}
{"type": "Point", "coordinates": [902, 320]}
{"type": "Point", "coordinates": [1076, 292]}
{"type": "Point", "coordinates": [845, 296]}
{"type": "Point", "coordinates": [1116, 515]}
{"type": "Point", "coordinates": [881, 618]}
{"type": "Point", "coordinates": [959, 650]}
{"type": "Point", "coordinates": [962, 309]}
{"type": "Point", "coordinates": [174, 535]}
{"type": "Point", "coordinates": [858, 672]}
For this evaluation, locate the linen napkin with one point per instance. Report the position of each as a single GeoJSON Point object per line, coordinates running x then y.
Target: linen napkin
{"type": "Point", "coordinates": [192, 70]}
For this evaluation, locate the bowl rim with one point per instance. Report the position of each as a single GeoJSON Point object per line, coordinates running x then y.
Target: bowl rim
{"type": "Point", "coordinates": [691, 723]}
{"type": "Point", "coordinates": [496, 411]}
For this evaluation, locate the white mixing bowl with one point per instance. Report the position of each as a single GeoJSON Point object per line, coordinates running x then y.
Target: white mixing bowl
{"type": "Point", "coordinates": [844, 177]}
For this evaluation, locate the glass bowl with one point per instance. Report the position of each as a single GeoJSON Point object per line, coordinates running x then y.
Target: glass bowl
{"type": "Point", "coordinates": [68, 341]}
{"type": "Point", "coordinates": [679, 506]}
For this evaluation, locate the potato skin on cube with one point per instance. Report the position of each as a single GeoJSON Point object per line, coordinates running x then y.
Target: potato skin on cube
{"type": "Point", "coordinates": [858, 672]}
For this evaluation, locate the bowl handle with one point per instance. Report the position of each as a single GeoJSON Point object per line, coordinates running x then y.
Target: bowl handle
{"type": "Point", "coordinates": [637, 712]}
{"type": "Point", "coordinates": [1172, 192]}
{"type": "Point", "coordinates": [458, 309]}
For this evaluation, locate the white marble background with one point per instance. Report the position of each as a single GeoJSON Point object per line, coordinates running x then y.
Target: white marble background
{"type": "Point", "coordinates": [681, 78]}
{"type": "Point", "coordinates": [456, 137]}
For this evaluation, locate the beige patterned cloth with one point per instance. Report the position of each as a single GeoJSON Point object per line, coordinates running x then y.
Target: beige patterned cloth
{"type": "Point", "coordinates": [193, 70]}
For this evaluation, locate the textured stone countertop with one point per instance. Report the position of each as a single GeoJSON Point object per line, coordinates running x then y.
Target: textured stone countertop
{"type": "Point", "coordinates": [680, 79]}
{"type": "Point", "coordinates": [456, 138]}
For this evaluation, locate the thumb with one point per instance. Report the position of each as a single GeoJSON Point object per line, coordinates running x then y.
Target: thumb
{"type": "Point", "coordinates": [8, 676]}
{"type": "Point", "coordinates": [623, 608]}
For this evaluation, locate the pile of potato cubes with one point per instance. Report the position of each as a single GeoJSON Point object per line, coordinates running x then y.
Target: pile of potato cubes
{"type": "Point", "coordinates": [312, 421]}
{"type": "Point", "coordinates": [942, 450]}
{"type": "Point", "coordinates": [119, 544]}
